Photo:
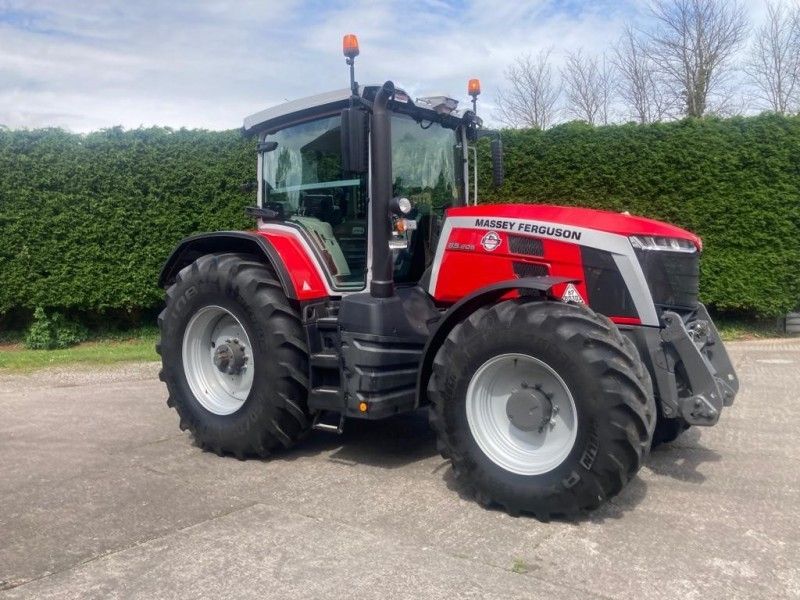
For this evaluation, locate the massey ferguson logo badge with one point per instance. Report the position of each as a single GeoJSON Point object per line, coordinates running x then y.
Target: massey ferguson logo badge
{"type": "Point", "coordinates": [490, 241]}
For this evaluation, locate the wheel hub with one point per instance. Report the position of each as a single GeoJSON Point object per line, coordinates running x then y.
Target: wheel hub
{"type": "Point", "coordinates": [230, 357]}
{"type": "Point", "coordinates": [523, 427]}
{"type": "Point", "coordinates": [218, 360]}
{"type": "Point", "coordinates": [529, 409]}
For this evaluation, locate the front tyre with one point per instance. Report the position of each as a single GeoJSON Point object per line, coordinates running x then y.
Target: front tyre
{"type": "Point", "coordinates": [668, 430]}
{"type": "Point", "coordinates": [541, 407]}
{"type": "Point", "coordinates": [234, 356]}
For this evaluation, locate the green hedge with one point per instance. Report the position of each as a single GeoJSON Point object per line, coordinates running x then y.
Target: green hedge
{"type": "Point", "coordinates": [87, 221]}
{"type": "Point", "coordinates": [735, 182]}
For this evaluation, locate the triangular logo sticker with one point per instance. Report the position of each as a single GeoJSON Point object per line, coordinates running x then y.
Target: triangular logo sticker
{"type": "Point", "coordinates": [306, 287]}
{"type": "Point", "coordinates": [571, 294]}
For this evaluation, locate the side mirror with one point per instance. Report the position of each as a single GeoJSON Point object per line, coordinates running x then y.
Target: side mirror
{"type": "Point", "coordinates": [498, 174]}
{"type": "Point", "coordinates": [354, 140]}
{"type": "Point", "coordinates": [264, 147]}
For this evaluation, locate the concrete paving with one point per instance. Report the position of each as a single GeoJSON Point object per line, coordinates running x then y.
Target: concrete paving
{"type": "Point", "coordinates": [101, 496]}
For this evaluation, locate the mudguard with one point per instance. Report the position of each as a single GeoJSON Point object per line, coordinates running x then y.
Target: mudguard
{"type": "Point", "coordinates": [469, 304]}
{"type": "Point", "coordinates": [194, 246]}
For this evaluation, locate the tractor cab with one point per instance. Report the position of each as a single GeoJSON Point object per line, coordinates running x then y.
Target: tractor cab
{"type": "Point", "coordinates": [314, 175]}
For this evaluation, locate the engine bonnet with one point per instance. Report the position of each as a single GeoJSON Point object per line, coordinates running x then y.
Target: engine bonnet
{"type": "Point", "coordinates": [601, 220]}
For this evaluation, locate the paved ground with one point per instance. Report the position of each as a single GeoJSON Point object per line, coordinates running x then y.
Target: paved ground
{"type": "Point", "coordinates": [101, 496]}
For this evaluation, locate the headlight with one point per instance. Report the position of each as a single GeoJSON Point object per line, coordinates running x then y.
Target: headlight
{"type": "Point", "coordinates": [648, 242]}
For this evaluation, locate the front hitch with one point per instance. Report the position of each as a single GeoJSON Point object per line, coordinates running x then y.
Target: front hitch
{"type": "Point", "coordinates": [711, 380]}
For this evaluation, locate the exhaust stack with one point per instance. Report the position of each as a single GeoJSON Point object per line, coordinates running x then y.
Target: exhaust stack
{"type": "Point", "coordinates": [382, 285]}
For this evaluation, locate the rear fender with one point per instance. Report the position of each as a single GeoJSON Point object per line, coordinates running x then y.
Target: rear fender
{"type": "Point", "coordinates": [489, 294]}
{"type": "Point", "coordinates": [256, 244]}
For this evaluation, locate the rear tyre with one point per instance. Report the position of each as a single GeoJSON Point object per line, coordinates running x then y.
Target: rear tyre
{"type": "Point", "coordinates": [542, 407]}
{"type": "Point", "coordinates": [234, 357]}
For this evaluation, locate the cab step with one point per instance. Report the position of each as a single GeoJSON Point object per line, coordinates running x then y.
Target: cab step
{"type": "Point", "coordinates": [326, 398]}
{"type": "Point", "coordinates": [325, 360]}
{"type": "Point", "coordinates": [319, 425]}
{"type": "Point", "coordinates": [328, 323]}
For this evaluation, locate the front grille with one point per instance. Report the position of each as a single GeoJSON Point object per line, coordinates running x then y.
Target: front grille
{"type": "Point", "coordinates": [520, 244]}
{"type": "Point", "coordinates": [673, 277]}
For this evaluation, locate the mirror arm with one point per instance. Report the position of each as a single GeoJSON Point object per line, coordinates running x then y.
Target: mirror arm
{"type": "Point", "coordinates": [258, 212]}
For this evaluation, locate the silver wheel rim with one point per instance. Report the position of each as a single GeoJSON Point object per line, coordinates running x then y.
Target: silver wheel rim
{"type": "Point", "coordinates": [511, 387]}
{"type": "Point", "coordinates": [221, 386]}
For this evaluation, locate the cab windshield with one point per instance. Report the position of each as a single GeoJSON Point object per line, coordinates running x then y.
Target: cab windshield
{"type": "Point", "coordinates": [303, 181]}
{"type": "Point", "coordinates": [423, 170]}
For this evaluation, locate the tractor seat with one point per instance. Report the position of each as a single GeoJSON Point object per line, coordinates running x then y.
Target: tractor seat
{"type": "Point", "coordinates": [323, 207]}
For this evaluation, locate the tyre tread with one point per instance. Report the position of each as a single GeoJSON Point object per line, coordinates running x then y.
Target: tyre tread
{"type": "Point", "coordinates": [620, 372]}
{"type": "Point", "coordinates": [286, 419]}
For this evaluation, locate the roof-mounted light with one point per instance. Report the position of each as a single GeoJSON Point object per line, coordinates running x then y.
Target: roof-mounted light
{"type": "Point", "coordinates": [350, 45]}
{"type": "Point", "coordinates": [474, 90]}
{"type": "Point", "coordinates": [474, 87]}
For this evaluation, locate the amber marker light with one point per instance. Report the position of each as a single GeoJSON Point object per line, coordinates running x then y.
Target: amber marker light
{"type": "Point", "coordinates": [350, 45]}
{"type": "Point", "coordinates": [474, 87]}
{"type": "Point", "coordinates": [363, 407]}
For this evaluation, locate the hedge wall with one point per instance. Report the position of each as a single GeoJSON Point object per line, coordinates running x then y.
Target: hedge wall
{"type": "Point", "coordinates": [86, 221]}
{"type": "Point", "coordinates": [735, 182]}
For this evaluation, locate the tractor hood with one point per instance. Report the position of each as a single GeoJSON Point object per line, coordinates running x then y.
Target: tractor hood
{"type": "Point", "coordinates": [586, 218]}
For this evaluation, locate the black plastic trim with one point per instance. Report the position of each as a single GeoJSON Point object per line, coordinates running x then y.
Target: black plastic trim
{"type": "Point", "coordinates": [606, 289]}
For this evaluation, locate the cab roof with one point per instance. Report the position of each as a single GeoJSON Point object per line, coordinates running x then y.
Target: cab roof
{"type": "Point", "coordinates": [277, 117]}
{"type": "Point", "coordinates": [274, 118]}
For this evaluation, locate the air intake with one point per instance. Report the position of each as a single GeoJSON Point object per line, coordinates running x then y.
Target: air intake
{"type": "Point", "coordinates": [529, 246]}
{"type": "Point", "coordinates": [522, 269]}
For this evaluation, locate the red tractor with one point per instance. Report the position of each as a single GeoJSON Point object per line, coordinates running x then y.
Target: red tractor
{"type": "Point", "coordinates": [551, 345]}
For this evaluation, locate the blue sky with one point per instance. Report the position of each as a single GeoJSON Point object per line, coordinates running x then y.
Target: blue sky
{"type": "Point", "coordinates": [86, 65]}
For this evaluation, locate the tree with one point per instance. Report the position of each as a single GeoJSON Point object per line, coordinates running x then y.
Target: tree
{"type": "Point", "coordinates": [639, 85]}
{"type": "Point", "coordinates": [531, 95]}
{"type": "Point", "coordinates": [774, 63]}
{"type": "Point", "coordinates": [693, 44]}
{"type": "Point", "coordinates": [588, 87]}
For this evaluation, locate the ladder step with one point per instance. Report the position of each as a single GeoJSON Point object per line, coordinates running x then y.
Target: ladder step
{"type": "Point", "coordinates": [320, 426]}
{"type": "Point", "coordinates": [328, 323]}
{"type": "Point", "coordinates": [325, 360]}
{"type": "Point", "coordinates": [326, 398]}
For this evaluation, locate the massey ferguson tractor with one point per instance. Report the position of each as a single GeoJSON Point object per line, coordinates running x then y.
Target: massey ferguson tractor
{"type": "Point", "coordinates": [552, 346]}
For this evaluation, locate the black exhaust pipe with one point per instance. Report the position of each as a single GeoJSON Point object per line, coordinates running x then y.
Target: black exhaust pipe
{"type": "Point", "coordinates": [382, 285]}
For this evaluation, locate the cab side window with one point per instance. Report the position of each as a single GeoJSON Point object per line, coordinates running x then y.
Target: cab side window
{"type": "Point", "coordinates": [303, 181]}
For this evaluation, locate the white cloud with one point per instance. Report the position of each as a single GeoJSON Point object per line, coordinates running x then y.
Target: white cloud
{"type": "Point", "coordinates": [87, 65]}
